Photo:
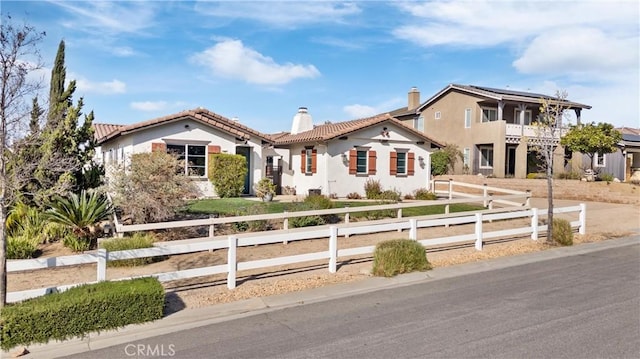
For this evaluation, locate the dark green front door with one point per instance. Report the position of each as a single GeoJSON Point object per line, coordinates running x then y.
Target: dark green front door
{"type": "Point", "coordinates": [246, 152]}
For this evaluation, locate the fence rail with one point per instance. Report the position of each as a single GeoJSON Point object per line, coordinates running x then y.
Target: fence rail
{"type": "Point", "coordinates": [231, 243]}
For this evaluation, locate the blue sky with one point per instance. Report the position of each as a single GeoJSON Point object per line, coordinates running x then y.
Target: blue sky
{"type": "Point", "coordinates": [259, 61]}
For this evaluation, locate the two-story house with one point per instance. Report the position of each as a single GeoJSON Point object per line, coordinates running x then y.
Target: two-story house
{"type": "Point", "coordinates": [492, 127]}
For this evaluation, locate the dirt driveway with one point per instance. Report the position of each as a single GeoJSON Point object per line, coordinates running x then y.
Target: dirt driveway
{"type": "Point", "coordinates": [604, 220]}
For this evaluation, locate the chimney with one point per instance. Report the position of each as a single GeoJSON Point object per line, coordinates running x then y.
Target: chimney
{"type": "Point", "coordinates": [301, 121]}
{"type": "Point", "coordinates": [414, 99]}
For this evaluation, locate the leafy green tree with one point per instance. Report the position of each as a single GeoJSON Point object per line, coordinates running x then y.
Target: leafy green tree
{"type": "Point", "coordinates": [82, 214]}
{"type": "Point", "coordinates": [444, 160]}
{"type": "Point", "coordinates": [592, 139]}
{"type": "Point", "coordinates": [152, 188]}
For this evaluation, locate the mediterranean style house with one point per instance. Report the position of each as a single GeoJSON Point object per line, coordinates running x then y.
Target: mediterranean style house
{"type": "Point", "coordinates": [332, 159]}
{"type": "Point", "coordinates": [491, 127]}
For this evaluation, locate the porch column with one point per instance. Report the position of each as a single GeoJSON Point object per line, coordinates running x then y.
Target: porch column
{"type": "Point", "coordinates": [577, 110]}
{"type": "Point", "coordinates": [576, 162]}
{"type": "Point", "coordinates": [500, 108]}
{"type": "Point", "coordinates": [521, 159]}
{"type": "Point", "coordinates": [558, 159]}
{"type": "Point", "coordinates": [522, 108]}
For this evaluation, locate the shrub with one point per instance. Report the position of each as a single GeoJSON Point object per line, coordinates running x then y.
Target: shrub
{"type": "Point", "coordinates": [80, 310]}
{"type": "Point", "coordinates": [569, 175]}
{"type": "Point", "coordinates": [562, 232]}
{"type": "Point", "coordinates": [608, 177]}
{"type": "Point", "coordinates": [314, 202]}
{"type": "Point", "coordinates": [439, 163]}
{"type": "Point", "coordinates": [306, 221]}
{"type": "Point", "coordinates": [265, 187]}
{"type": "Point", "coordinates": [536, 176]}
{"type": "Point", "coordinates": [372, 188]}
{"type": "Point", "coordinates": [76, 243]}
{"type": "Point", "coordinates": [136, 241]}
{"type": "Point", "coordinates": [251, 226]}
{"type": "Point", "coordinates": [227, 173]}
{"type": "Point", "coordinates": [423, 194]}
{"type": "Point", "coordinates": [390, 195]}
{"type": "Point", "coordinates": [408, 196]}
{"type": "Point", "coordinates": [354, 195]}
{"type": "Point", "coordinates": [399, 256]}
{"type": "Point", "coordinates": [153, 188]}
{"type": "Point", "coordinates": [21, 247]}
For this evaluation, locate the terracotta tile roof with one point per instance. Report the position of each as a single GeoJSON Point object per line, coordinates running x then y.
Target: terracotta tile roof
{"type": "Point", "coordinates": [105, 132]}
{"type": "Point", "coordinates": [330, 131]}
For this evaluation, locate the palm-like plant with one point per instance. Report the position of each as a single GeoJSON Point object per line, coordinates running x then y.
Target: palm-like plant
{"type": "Point", "coordinates": [81, 213]}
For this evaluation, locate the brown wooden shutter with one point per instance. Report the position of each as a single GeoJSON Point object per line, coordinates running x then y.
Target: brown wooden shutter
{"type": "Point", "coordinates": [393, 163]}
{"type": "Point", "coordinates": [303, 161]}
{"type": "Point", "coordinates": [411, 161]}
{"type": "Point", "coordinates": [211, 149]}
{"type": "Point", "coordinates": [353, 158]}
{"type": "Point", "coordinates": [372, 162]}
{"type": "Point", "coordinates": [158, 147]}
{"type": "Point", "coordinates": [314, 160]}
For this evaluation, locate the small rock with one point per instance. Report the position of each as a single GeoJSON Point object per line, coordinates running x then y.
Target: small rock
{"type": "Point", "coordinates": [20, 352]}
{"type": "Point", "coordinates": [616, 180]}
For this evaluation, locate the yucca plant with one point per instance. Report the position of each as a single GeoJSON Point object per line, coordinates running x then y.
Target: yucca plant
{"type": "Point", "coordinates": [81, 214]}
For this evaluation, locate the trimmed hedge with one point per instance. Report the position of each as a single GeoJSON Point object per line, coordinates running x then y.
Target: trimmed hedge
{"type": "Point", "coordinates": [399, 256]}
{"type": "Point", "coordinates": [81, 310]}
{"type": "Point", "coordinates": [226, 173]}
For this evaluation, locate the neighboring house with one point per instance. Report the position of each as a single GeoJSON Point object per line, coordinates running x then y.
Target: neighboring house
{"type": "Point", "coordinates": [623, 164]}
{"type": "Point", "coordinates": [338, 158]}
{"type": "Point", "coordinates": [333, 159]}
{"type": "Point", "coordinates": [192, 134]}
{"type": "Point", "coordinates": [491, 127]}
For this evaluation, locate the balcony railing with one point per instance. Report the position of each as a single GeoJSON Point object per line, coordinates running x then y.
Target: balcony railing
{"type": "Point", "coordinates": [513, 130]}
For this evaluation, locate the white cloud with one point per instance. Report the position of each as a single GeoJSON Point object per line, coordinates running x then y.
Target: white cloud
{"type": "Point", "coordinates": [356, 111]}
{"type": "Point", "coordinates": [231, 59]}
{"type": "Point", "coordinates": [106, 88]}
{"type": "Point", "coordinates": [149, 106]}
{"type": "Point", "coordinates": [287, 14]}
{"type": "Point", "coordinates": [360, 111]}
{"type": "Point", "coordinates": [578, 51]}
{"type": "Point", "coordinates": [109, 17]}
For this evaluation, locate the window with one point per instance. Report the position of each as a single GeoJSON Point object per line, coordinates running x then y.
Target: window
{"type": "Point", "coordinates": [599, 160]}
{"type": "Point", "coordinates": [489, 114]}
{"type": "Point", "coordinates": [419, 123]}
{"type": "Point", "coordinates": [401, 163]}
{"type": "Point", "coordinates": [309, 160]}
{"type": "Point", "coordinates": [194, 157]}
{"type": "Point", "coordinates": [437, 115]}
{"type": "Point", "coordinates": [362, 161]}
{"type": "Point", "coordinates": [486, 157]}
{"type": "Point", "coordinates": [466, 157]}
{"type": "Point", "coordinates": [527, 117]}
{"type": "Point", "coordinates": [467, 118]}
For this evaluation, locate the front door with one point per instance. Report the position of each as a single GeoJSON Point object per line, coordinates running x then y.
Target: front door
{"type": "Point", "coordinates": [246, 152]}
{"type": "Point", "coordinates": [511, 161]}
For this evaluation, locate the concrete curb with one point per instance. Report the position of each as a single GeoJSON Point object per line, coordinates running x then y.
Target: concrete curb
{"type": "Point", "coordinates": [193, 318]}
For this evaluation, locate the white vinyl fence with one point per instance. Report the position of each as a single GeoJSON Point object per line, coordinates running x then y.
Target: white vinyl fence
{"type": "Point", "coordinates": [333, 253]}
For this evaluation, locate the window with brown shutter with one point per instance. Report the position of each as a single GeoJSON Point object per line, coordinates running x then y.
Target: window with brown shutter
{"type": "Point", "coordinates": [393, 163]}
{"type": "Point", "coordinates": [411, 161]}
{"type": "Point", "coordinates": [353, 157]}
{"type": "Point", "coordinates": [372, 162]}
{"type": "Point", "coordinates": [158, 147]}
{"type": "Point", "coordinates": [309, 161]}
{"type": "Point", "coordinates": [314, 160]}
{"type": "Point", "coordinates": [303, 161]}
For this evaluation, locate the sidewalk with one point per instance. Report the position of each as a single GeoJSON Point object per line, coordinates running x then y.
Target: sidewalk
{"type": "Point", "coordinates": [192, 318]}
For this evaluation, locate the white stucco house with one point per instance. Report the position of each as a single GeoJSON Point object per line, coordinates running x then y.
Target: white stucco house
{"type": "Point", "coordinates": [332, 158]}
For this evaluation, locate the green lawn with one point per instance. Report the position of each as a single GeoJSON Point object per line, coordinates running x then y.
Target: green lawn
{"type": "Point", "coordinates": [238, 206]}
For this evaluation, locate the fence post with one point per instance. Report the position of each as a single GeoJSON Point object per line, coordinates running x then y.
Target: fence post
{"type": "Point", "coordinates": [333, 248]}
{"type": "Point", "coordinates": [583, 219]}
{"type": "Point", "coordinates": [232, 262]}
{"type": "Point", "coordinates": [528, 200]}
{"type": "Point", "coordinates": [479, 231]}
{"type": "Point", "coordinates": [413, 229]}
{"type": "Point", "coordinates": [399, 217]}
{"type": "Point", "coordinates": [285, 224]}
{"type": "Point", "coordinates": [484, 194]}
{"type": "Point", "coordinates": [534, 224]}
{"type": "Point", "coordinates": [450, 188]}
{"type": "Point", "coordinates": [211, 227]}
{"type": "Point", "coordinates": [102, 258]}
{"type": "Point", "coordinates": [446, 211]}
{"type": "Point", "coordinates": [490, 205]}
{"type": "Point", "coordinates": [347, 218]}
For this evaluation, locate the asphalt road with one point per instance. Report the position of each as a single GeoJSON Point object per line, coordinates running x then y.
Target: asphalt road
{"type": "Point", "coordinates": [583, 306]}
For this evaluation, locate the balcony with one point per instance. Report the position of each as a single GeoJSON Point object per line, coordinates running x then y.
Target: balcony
{"type": "Point", "coordinates": [514, 133]}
